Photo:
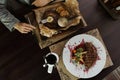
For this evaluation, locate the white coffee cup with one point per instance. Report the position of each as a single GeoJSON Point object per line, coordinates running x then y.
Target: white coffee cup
{"type": "Point", "coordinates": [50, 60]}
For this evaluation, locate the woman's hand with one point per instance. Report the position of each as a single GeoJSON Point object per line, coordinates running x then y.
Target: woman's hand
{"type": "Point", "coordinates": [40, 3]}
{"type": "Point", "coordinates": [24, 27]}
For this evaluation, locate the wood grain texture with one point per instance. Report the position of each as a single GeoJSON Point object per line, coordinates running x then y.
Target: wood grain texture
{"type": "Point", "coordinates": [21, 58]}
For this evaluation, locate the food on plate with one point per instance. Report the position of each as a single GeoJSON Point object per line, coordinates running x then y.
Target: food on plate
{"type": "Point", "coordinates": [62, 11]}
{"type": "Point", "coordinates": [45, 31]}
{"type": "Point", "coordinates": [49, 20]}
{"type": "Point", "coordinates": [84, 54]}
{"type": "Point", "coordinates": [52, 16]}
{"type": "Point", "coordinates": [91, 56]}
{"type": "Point", "coordinates": [51, 13]}
{"type": "Point", "coordinates": [59, 9]}
{"type": "Point", "coordinates": [56, 18]}
{"type": "Point", "coordinates": [53, 20]}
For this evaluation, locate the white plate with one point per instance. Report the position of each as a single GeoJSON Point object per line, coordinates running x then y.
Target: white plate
{"type": "Point", "coordinates": [79, 71]}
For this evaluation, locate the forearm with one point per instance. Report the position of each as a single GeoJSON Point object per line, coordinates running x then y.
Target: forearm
{"type": "Point", "coordinates": [7, 18]}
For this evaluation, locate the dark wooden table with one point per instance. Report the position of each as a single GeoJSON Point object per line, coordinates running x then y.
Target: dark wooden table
{"type": "Point", "coordinates": [21, 58]}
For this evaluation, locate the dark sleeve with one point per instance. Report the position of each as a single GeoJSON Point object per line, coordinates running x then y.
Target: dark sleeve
{"type": "Point", "coordinates": [6, 17]}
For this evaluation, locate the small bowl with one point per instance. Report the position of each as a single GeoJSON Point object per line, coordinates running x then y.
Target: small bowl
{"type": "Point", "coordinates": [62, 21]}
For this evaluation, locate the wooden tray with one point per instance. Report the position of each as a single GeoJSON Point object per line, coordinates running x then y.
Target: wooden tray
{"type": "Point", "coordinates": [109, 9]}
{"type": "Point", "coordinates": [58, 48]}
{"type": "Point", "coordinates": [35, 18]}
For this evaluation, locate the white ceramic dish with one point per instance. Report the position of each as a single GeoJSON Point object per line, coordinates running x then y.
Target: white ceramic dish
{"type": "Point", "coordinates": [79, 71]}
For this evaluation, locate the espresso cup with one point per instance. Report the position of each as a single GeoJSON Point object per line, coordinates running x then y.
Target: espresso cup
{"type": "Point", "coordinates": [50, 60]}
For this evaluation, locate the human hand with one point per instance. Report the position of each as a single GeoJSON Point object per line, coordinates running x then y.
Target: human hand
{"type": "Point", "coordinates": [24, 27]}
{"type": "Point", "coordinates": [40, 3]}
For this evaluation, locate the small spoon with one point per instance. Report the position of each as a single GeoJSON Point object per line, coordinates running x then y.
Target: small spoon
{"type": "Point", "coordinates": [44, 65]}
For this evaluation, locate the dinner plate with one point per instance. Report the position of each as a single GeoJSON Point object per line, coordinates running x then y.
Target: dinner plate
{"type": "Point", "coordinates": [80, 71]}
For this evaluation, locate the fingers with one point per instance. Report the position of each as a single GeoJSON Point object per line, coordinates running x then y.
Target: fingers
{"type": "Point", "coordinates": [27, 29]}
{"type": "Point", "coordinates": [28, 26]}
{"type": "Point", "coordinates": [24, 28]}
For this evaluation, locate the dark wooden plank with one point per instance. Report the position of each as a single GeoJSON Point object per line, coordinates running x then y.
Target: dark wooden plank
{"type": "Point", "coordinates": [22, 59]}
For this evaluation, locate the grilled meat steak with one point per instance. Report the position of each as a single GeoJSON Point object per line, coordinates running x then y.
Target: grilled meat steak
{"type": "Point", "coordinates": [91, 55]}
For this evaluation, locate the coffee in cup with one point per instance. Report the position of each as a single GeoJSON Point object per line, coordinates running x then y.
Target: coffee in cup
{"type": "Point", "coordinates": [50, 60]}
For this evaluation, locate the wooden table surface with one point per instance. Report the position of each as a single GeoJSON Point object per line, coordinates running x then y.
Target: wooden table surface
{"type": "Point", "coordinates": [22, 59]}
